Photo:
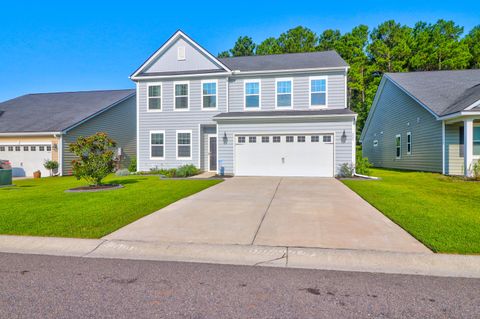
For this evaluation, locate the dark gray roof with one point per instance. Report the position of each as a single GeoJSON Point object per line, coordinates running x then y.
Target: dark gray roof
{"type": "Point", "coordinates": [291, 61]}
{"type": "Point", "coordinates": [284, 113]}
{"type": "Point", "coordinates": [55, 112]}
{"type": "Point", "coordinates": [443, 92]}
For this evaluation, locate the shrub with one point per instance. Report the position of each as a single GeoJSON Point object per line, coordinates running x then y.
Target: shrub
{"type": "Point", "coordinates": [346, 170]}
{"type": "Point", "coordinates": [51, 165]}
{"type": "Point", "coordinates": [133, 165]}
{"type": "Point", "coordinates": [95, 157]}
{"type": "Point", "coordinates": [476, 170]}
{"type": "Point", "coordinates": [122, 172]}
{"type": "Point", "coordinates": [362, 165]}
{"type": "Point", "coordinates": [187, 170]}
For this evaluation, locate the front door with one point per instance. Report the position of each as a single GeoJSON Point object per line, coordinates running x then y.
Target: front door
{"type": "Point", "coordinates": [212, 153]}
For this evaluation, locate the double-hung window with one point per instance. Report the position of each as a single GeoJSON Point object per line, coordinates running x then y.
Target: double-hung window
{"type": "Point", "coordinates": [184, 145]}
{"type": "Point", "coordinates": [252, 94]}
{"type": "Point", "coordinates": [209, 95]}
{"type": "Point", "coordinates": [318, 92]}
{"type": "Point", "coordinates": [476, 140]}
{"type": "Point", "coordinates": [409, 143]}
{"type": "Point", "coordinates": [181, 95]}
{"type": "Point", "coordinates": [154, 97]}
{"type": "Point", "coordinates": [157, 145]}
{"type": "Point", "coordinates": [398, 146]}
{"type": "Point", "coordinates": [284, 93]}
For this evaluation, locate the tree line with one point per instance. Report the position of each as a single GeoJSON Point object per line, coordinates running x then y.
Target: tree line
{"type": "Point", "coordinates": [389, 47]}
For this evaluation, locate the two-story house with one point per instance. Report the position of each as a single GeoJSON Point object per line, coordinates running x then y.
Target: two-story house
{"type": "Point", "coordinates": [273, 115]}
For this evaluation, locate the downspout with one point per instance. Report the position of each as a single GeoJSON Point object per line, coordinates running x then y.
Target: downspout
{"type": "Point", "coordinates": [60, 152]}
{"type": "Point", "coordinates": [443, 147]}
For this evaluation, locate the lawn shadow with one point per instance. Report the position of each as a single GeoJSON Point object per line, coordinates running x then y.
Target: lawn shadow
{"type": "Point", "coordinates": [126, 181]}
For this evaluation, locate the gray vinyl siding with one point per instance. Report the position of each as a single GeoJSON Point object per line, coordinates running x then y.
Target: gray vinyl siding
{"type": "Point", "coordinates": [301, 99]}
{"type": "Point", "coordinates": [343, 148]}
{"type": "Point", "coordinates": [168, 62]}
{"type": "Point", "coordinates": [454, 160]}
{"type": "Point", "coordinates": [170, 121]}
{"type": "Point", "coordinates": [119, 123]}
{"type": "Point", "coordinates": [397, 113]}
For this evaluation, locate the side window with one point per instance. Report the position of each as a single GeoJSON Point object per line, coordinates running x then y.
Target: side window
{"type": "Point", "coordinates": [155, 97]}
{"type": "Point", "coordinates": [409, 143]}
{"type": "Point", "coordinates": [284, 93]}
{"type": "Point", "coordinates": [184, 145]}
{"type": "Point", "coordinates": [181, 96]}
{"type": "Point", "coordinates": [398, 146]}
{"type": "Point", "coordinates": [157, 145]}
{"type": "Point", "coordinates": [252, 95]}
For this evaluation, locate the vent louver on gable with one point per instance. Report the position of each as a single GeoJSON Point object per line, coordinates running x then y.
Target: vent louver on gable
{"type": "Point", "coordinates": [181, 53]}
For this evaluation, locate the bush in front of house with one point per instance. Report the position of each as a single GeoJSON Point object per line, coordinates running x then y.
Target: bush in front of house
{"type": "Point", "coordinates": [95, 157]}
{"type": "Point", "coordinates": [187, 170]}
{"type": "Point", "coordinates": [362, 165]}
{"type": "Point", "coordinates": [182, 171]}
{"type": "Point", "coordinates": [51, 166]}
{"type": "Point", "coordinates": [133, 165]}
{"type": "Point", "coordinates": [346, 170]}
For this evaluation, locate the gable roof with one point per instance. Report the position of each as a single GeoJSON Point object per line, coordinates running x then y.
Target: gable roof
{"type": "Point", "coordinates": [177, 35]}
{"type": "Point", "coordinates": [289, 61]}
{"type": "Point", "coordinates": [442, 92]}
{"type": "Point", "coordinates": [56, 112]}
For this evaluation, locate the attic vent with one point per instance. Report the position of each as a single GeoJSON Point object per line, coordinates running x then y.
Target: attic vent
{"type": "Point", "coordinates": [181, 53]}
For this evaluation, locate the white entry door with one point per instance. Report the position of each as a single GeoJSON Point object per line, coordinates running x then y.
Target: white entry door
{"type": "Point", "coordinates": [284, 155]}
{"type": "Point", "coordinates": [26, 159]}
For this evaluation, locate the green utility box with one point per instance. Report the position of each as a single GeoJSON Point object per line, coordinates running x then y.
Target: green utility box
{"type": "Point", "coordinates": [5, 177]}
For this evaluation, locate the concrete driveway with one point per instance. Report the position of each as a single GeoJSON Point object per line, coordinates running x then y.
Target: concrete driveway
{"type": "Point", "coordinates": [274, 211]}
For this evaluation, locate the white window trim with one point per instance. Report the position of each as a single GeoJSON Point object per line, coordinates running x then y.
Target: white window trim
{"type": "Point", "coordinates": [310, 92]}
{"type": "Point", "coordinates": [216, 95]}
{"type": "Point", "coordinates": [409, 134]}
{"type": "Point", "coordinates": [176, 145]}
{"type": "Point", "coordinates": [161, 97]}
{"type": "Point", "coordinates": [396, 136]}
{"type": "Point", "coordinates": [174, 96]}
{"type": "Point", "coordinates": [150, 144]}
{"type": "Point", "coordinates": [276, 94]}
{"type": "Point", "coordinates": [245, 108]}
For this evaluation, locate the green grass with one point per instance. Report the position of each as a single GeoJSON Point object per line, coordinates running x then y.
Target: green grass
{"type": "Point", "coordinates": [442, 212]}
{"type": "Point", "coordinates": [42, 208]}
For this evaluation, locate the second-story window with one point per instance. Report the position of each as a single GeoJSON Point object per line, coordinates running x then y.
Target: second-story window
{"type": "Point", "coordinates": [252, 95]}
{"type": "Point", "coordinates": [181, 96]}
{"type": "Point", "coordinates": [209, 95]}
{"type": "Point", "coordinates": [318, 92]}
{"type": "Point", "coordinates": [155, 97]}
{"type": "Point", "coordinates": [284, 93]}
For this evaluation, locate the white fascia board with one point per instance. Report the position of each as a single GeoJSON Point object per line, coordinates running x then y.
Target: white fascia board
{"type": "Point", "coordinates": [285, 117]}
{"type": "Point", "coordinates": [173, 38]}
{"type": "Point", "coordinates": [458, 115]}
{"type": "Point", "coordinates": [287, 71]}
{"type": "Point", "coordinates": [31, 134]}
{"type": "Point", "coordinates": [475, 104]}
{"type": "Point", "coordinates": [183, 76]}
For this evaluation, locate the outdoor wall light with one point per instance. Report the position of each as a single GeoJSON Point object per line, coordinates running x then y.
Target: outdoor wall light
{"type": "Point", "coordinates": [344, 137]}
{"type": "Point", "coordinates": [225, 138]}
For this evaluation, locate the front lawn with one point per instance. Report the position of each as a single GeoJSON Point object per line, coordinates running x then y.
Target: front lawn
{"type": "Point", "coordinates": [42, 208]}
{"type": "Point", "coordinates": [442, 212]}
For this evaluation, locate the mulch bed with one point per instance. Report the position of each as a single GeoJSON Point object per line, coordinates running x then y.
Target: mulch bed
{"type": "Point", "coordinates": [85, 189]}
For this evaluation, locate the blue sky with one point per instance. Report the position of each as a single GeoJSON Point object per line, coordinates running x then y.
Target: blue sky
{"type": "Point", "coordinates": [49, 46]}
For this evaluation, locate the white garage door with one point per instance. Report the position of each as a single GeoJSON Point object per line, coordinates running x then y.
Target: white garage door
{"type": "Point", "coordinates": [26, 159]}
{"type": "Point", "coordinates": [284, 155]}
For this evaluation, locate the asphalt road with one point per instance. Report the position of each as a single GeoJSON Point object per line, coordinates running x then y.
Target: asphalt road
{"type": "Point", "coordinates": [33, 286]}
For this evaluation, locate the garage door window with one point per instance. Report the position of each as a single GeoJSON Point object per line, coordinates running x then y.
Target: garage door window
{"type": "Point", "coordinates": [25, 148]}
{"type": "Point", "coordinates": [301, 139]}
{"type": "Point", "coordinates": [289, 139]}
{"type": "Point", "coordinates": [276, 139]}
{"type": "Point", "coordinates": [241, 139]}
{"type": "Point", "coordinates": [33, 148]}
{"type": "Point", "coordinates": [10, 148]}
{"type": "Point", "coordinates": [41, 148]}
{"type": "Point", "coordinates": [252, 139]}
{"type": "Point", "coordinates": [327, 139]}
{"type": "Point", "coordinates": [265, 139]}
{"type": "Point", "coordinates": [314, 139]}
{"type": "Point", "coordinates": [184, 145]}
{"type": "Point", "coordinates": [2, 148]}
{"type": "Point", "coordinates": [17, 148]}
{"type": "Point", "coordinates": [49, 148]}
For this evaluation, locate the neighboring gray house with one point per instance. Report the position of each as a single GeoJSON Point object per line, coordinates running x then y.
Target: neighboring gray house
{"type": "Point", "coordinates": [39, 127]}
{"type": "Point", "coordinates": [277, 115]}
{"type": "Point", "coordinates": [426, 121]}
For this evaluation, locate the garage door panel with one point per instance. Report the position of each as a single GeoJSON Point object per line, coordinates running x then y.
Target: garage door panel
{"type": "Point", "coordinates": [295, 158]}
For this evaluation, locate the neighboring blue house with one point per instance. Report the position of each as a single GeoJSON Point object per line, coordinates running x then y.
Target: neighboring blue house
{"type": "Point", "coordinates": [425, 121]}
{"type": "Point", "coordinates": [276, 115]}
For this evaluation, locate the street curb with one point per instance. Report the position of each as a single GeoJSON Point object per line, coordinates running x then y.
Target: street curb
{"type": "Point", "coordinates": [427, 264]}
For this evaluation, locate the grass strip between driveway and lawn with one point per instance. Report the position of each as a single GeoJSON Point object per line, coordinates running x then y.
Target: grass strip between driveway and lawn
{"type": "Point", "coordinates": [41, 207]}
{"type": "Point", "coordinates": [440, 211]}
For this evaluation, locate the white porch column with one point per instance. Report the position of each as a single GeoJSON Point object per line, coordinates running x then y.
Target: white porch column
{"type": "Point", "coordinates": [468, 144]}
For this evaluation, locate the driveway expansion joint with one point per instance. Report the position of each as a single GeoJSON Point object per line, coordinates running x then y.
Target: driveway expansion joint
{"type": "Point", "coordinates": [266, 211]}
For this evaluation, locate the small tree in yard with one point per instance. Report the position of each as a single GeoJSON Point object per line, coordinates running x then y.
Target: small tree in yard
{"type": "Point", "coordinates": [50, 165]}
{"type": "Point", "coordinates": [96, 157]}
